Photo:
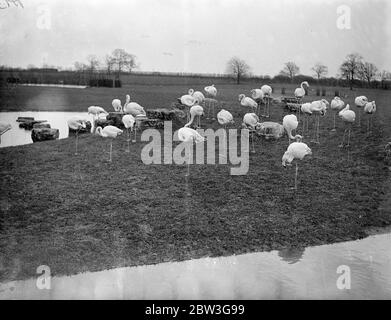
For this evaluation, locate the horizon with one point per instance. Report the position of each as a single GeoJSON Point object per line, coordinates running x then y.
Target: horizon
{"type": "Point", "coordinates": [58, 34]}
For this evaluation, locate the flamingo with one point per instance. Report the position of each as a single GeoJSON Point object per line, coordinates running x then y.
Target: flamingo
{"type": "Point", "coordinates": [258, 96]}
{"type": "Point", "coordinates": [348, 116]}
{"type": "Point", "coordinates": [133, 108]}
{"type": "Point", "coordinates": [211, 92]}
{"type": "Point", "coordinates": [96, 111]}
{"type": "Point", "coordinates": [195, 111]}
{"type": "Point", "coordinates": [4, 127]}
{"type": "Point", "coordinates": [370, 109]}
{"type": "Point", "coordinates": [251, 122]}
{"type": "Point", "coordinates": [225, 117]}
{"type": "Point", "coordinates": [360, 102]}
{"type": "Point", "coordinates": [190, 136]}
{"type": "Point", "coordinates": [336, 105]}
{"type": "Point", "coordinates": [109, 132]}
{"type": "Point", "coordinates": [128, 120]}
{"type": "Point", "coordinates": [76, 123]}
{"type": "Point", "coordinates": [198, 95]}
{"type": "Point", "coordinates": [267, 92]}
{"type": "Point", "coordinates": [300, 92]}
{"type": "Point", "coordinates": [247, 102]}
{"type": "Point", "coordinates": [290, 123]}
{"type": "Point", "coordinates": [116, 103]}
{"type": "Point", "coordinates": [306, 110]}
{"type": "Point", "coordinates": [296, 150]}
{"type": "Point", "coordinates": [188, 101]}
{"type": "Point", "coordinates": [319, 108]}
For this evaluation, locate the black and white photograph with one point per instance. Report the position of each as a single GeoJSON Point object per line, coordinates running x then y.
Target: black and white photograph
{"type": "Point", "coordinates": [198, 150]}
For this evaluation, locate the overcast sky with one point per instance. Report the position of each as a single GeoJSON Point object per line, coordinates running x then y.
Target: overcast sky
{"type": "Point", "coordinates": [196, 35]}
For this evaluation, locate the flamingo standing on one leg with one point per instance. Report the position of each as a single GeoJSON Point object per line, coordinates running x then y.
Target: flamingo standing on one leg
{"type": "Point", "coordinates": [267, 92]}
{"type": "Point", "coordinates": [195, 111]}
{"type": "Point", "coordinates": [133, 108]}
{"type": "Point", "coordinates": [296, 150]}
{"type": "Point", "coordinates": [190, 136]}
{"type": "Point", "coordinates": [258, 96]}
{"type": "Point", "coordinates": [290, 123]}
{"type": "Point", "coordinates": [336, 105]}
{"type": "Point", "coordinates": [76, 123]}
{"type": "Point", "coordinates": [251, 122]}
{"type": "Point", "coordinates": [306, 110]}
{"type": "Point", "coordinates": [300, 93]}
{"type": "Point", "coordinates": [360, 102]}
{"type": "Point", "coordinates": [348, 116]}
{"type": "Point", "coordinates": [318, 108]}
{"type": "Point", "coordinates": [110, 132]}
{"type": "Point", "coordinates": [211, 92]}
{"type": "Point", "coordinates": [370, 109]}
{"type": "Point", "coordinates": [128, 120]}
{"type": "Point", "coordinates": [4, 127]}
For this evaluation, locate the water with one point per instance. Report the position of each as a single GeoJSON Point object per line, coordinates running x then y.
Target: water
{"type": "Point", "coordinates": [309, 273]}
{"type": "Point", "coordinates": [18, 136]}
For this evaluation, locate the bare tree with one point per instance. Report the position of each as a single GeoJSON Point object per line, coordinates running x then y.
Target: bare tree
{"type": "Point", "coordinates": [350, 67]}
{"type": "Point", "coordinates": [109, 64]}
{"type": "Point", "coordinates": [384, 76]}
{"type": "Point", "coordinates": [93, 63]}
{"type": "Point", "coordinates": [123, 61]}
{"type": "Point", "coordinates": [367, 72]}
{"type": "Point", "coordinates": [320, 70]}
{"type": "Point", "coordinates": [238, 68]}
{"type": "Point", "coordinates": [290, 70]}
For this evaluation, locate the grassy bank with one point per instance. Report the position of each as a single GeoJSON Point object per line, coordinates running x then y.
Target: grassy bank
{"type": "Point", "coordinates": [81, 213]}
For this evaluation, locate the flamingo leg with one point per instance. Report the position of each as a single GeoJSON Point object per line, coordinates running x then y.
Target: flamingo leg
{"type": "Point", "coordinates": [296, 174]}
{"type": "Point", "coordinates": [188, 166]}
{"type": "Point", "coordinates": [111, 148]}
{"type": "Point", "coordinates": [317, 131]}
{"type": "Point", "coordinates": [343, 139]}
{"type": "Point", "coordinates": [77, 138]}
{"type": "Point", "coordinates": [252, 142]}
{"type": "Point", "coordinates": [135, 134]}
{"type": "Point", "coordinates": [349, 136]}
{"type": "Point", "coordinates": [334, 129]}
{"type": "Point", "coordinates": [359, 117]}
{"type": "Point", "coordinates": [213, 110]}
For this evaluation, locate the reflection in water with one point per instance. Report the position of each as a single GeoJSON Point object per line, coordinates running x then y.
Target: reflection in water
{"type": "Point", "coordinates": [261, 275]}
{"type": "Point", "coordinates": [18, 136]}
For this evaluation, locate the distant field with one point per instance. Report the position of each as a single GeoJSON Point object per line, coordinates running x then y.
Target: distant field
{"type": "Point", "coordinates": [81, 213]}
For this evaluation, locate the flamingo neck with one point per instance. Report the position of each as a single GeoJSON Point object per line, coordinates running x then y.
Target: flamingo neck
{"type": "Point", "coordinates": [192, 116]}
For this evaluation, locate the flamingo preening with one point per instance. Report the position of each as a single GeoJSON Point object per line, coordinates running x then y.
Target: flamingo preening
{"type": "Point", "coordinates": [211, 93]}
{"type": "Point", "coordinates": [225, 117]}
{"type": "Point", "coordinates": [267, 92]}
{"type": "Point", "coordinates": [189, 135]}
{"type": "Point", "coordinates": [116, 103]}
{"type": "Point", "coordinates": [4, 127]}
{"type": "Point", "coordinates": [96, 111]}
{"type": "Point", "coordinates": [198, 95]}
{"type": "Point", "coordinates": [296, 150]}
{"type": "Point", "coordinates": [348, 116]}
{"type": "Point", "coordinates": [336, 105]}
{"type": "Point", "coordinates": [251, 122]}
{"type": "Point", "coordinates": [76, 123]}
{"type": "Point", "coordinates": [258, 96]}
{"type": "Point", "coordinates": [248, 102]}
{"type": "Point", "coordinates": [195, 111]}
{"type": "Point", "coordinates": [110, 132]}
{"type": "Point", "coordinates": [133, 108]}
{"type": "Point", "coordinates": [290, 123]}
{"type": "Point", "coordinates": [318, 108]}
{"type": "Point", "coordinates": [188, 101]}
{"type": "Point", "coordinates": [360, 102]}
{"type": "Point", "coordinates": [128, 120]}
{"type": "Point", "coordinates": [370, 109]}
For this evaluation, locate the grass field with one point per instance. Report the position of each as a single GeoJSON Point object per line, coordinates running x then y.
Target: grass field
{"type": "Point", "coordinates": [81, 213]}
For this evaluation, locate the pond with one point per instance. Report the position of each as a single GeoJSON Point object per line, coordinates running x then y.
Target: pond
{"type": "Point", "coordinates": [18, 136]}
{"type": "Point", "coordinates": [309, 273]}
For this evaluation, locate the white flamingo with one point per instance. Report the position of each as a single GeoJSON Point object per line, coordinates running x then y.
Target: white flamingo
{"type": "Point", "coordinates": [318, 108]}
{"type": "Point", "coordinates": [348, 116]}
{"type": "Point", "coordinates": [116, 103]}
{"type": "Point", "coordinates": [195, 111]}
{"type": "Point", "coordinates": [190, 136]}
{"type": "Point", "coordinates": [336, 105]}
{"type": "Point", "coordinates": [188, 101]}
{"type": "Point", "coordinates": [76, 123]}
{"type": "Point", "coordinates": [258, 96]}
{"type": "Point", "coordinates": [4, 127]}
{"type": "Point", "coordinates": [267, 92]}
{"type": "Point", "coordinates": [251, 122]}
{"type": "Point", "coordinates": [211, 93]}
{"type": "Point", "coordinates": [370, 109]}
{"type": "Point", "coordinates": [290, 123]}
{"type": "Point", "coordinates": [300, 92]}
{"type": "Point", "coordinates": [96, 111]}
{"type": "Point", "coordinates": [198, 95]}
{"type": "Point", "coordinates": [360, 102]}
{"type": "Point", "coordinates": [296, 150]}
{"type": "Point", "coordinates": [248, 102]}
{"type": "Point", "coordinates": [225, 117]}
{"type": "Point", "coordinates": [306, 110]}
{"type": "Point", "coordinates": [110, 132]}
{"type": "Point", "coordinates": [133, 108]}
{"type": "Point", "coordinates": [128, 120]}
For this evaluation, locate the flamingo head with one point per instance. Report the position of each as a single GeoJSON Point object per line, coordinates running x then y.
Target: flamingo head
{"type": "Point", "coordinates": [306, 83]}
{"type": "Point", "coordinates": [241, 96]}
{"type": "Point", "coordinates": [190, 92]}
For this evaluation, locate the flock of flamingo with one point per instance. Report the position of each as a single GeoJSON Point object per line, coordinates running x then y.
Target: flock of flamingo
{"type": "Point", "coordinates": [196, 101]}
